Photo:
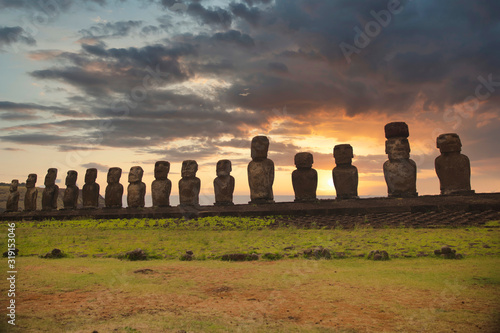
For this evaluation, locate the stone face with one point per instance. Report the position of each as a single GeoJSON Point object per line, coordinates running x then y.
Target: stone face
{"type": "Point", "coordinates": [452, 167]}
{"type": "Point", "coordinates": [70, 198]}
{"type": "Point", "coordinates": [90, 192]}
{"type": "Point", "coordinates": [136, 190]}
{"type": "Point", "coordinates": [400, 172]}
{"type": "Point", "coordinates": [260, 172]}
{"type": "Point", "coordinates": [189, 184]}
{"type": "Point", "coordinates": [224, 184]}
{"type": "Point", "coordinates": [31, 193]}
{"type": "Point", "coordinates": [51, 190]}
{"type": "Point", "coordinates": [13, 199]}
{"type": "Point", "coordinates": [305, 178]}
{"type": "Point", "coordinates": [114, 190]}
{"type": "Point", "coordinates": [161, 186]}
{"type": "Point", "coordinates": [345, 175]}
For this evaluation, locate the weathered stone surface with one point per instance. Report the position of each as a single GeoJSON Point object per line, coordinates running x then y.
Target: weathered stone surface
{"type": "Point", "coordinates": [136, 190]}
{"type": "Point", "coordinates": [70, 197]}
{"type": "Point", "coordinates": [224, 184]}
{"type": "Point", "coordinates": [396, 130]}
{"type": "Point", "coordinates": [51, 190]}
{"type": "Point", "coordinates": [345, 175]}
{"type": "Point", "coordinates": [161, 186]}
{"type": "Point", "coordinates": [189, 184]}
{"type": "Point", "coordinates": [90, 192]}
{"type": "Point", "coordinates": [452, 167]}
{"type": "Point", "coordinates": [114, 190]}
{"type": "Point", "coordinates": [260, 172]}
{"type": "Point", "coordinates": [31, 193]}
{"type": "Point", "coordinates": [305, 178]}
{"type": "Point", "coordinates": [13, 199]}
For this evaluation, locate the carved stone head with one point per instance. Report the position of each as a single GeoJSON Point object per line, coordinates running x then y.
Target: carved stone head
{"type": "Point", "coordinates": [162, 168]}
{"type": "Point", "coordinates": [260, 147]}
{"type": "Point", "coordinates": [224, 168]}
{"type": "Point", "coordinates": [31, 181]}
{"type": "Point", "coordinates": [397, 148]}
{"type": "Point", "coordinates": [50, 178]}
{"type": "Point", "coordinates": [343, 154]}
{"type": "Point", "coordinates": [114, 175]}
{"type": "Point", "coordinates": [189, 169]}
{"type": "Point", "coordinates": [449, 142]}
{"type": "Point", "coordinates": [90, 176]}
{"type": "Point", "coordinates": [13, 185]}
{"type": "Point", "coordinates": [303, 160]}
{"type": "Point", "coordinates": [71, 177]}
{"type": "Point", "coordinates": [135, 174]}
{"type": "Point", "coordinates": [396, 129]}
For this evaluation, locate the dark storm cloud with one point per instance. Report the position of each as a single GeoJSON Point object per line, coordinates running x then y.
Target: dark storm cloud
{"type": "Point", "coordinates": [235, 37]}
{"type": "Point", "coordinates": [251, 15]}
{"type": "Point", "coordinates": [277, 67]}
{"type": "Point", "coordinates": [12, 35]}
{"type": "Point", "coordinates": [211, 16]}
{"type": "Point", "coordinates": [29, 109]}
{"type": "Point", "coordinates": [110, 29]}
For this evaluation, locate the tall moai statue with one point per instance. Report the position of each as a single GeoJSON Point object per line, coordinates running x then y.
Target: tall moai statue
{"type": "Point", "coordinates": [260, 172]}
{"type": "Point", "coordinates": [70, 197]}
{"type": "Point", "coordinates": [189, 184]}
{"type": "Point", "coordinates": [400, 171]}
{"type": "Point", "coordinates": [90, 191]}
{"type": "Point", "coordinates": [13, 199]}
{"type": "Point", "coordinates": [452, 167]}
{"type": "Point", "coordinates": [345, 175]}
{"type": "Point", "coordinates": [51, 190]}
{"type": "Point", "coordinates": [31, 193]}
{"type": "Point", "coordinates": [305, 178]}
{"type": "Point", "coordinates": [136, 189]}
{"type": "Point", "coordinates": [114, 190]}
{"type": "Point", "coordinates": [224, 184]}
{"type": "Point", "coordinates": [161, 186]}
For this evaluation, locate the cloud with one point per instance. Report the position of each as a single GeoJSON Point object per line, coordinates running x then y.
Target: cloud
{"type": "Point", "coordinates": [251, 15]}
{"type": "Point", "coordinates": [13, 35]}
{"type": "Point", "coordinates": [110, 29]}
{"type": "Point", "coordinates": [236, 37]}
{"type": "Point", "coordinates": [212, 16]}
{"type": "Point", "coordinates": [100, 167]}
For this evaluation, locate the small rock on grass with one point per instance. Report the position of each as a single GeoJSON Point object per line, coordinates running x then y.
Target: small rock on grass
{"type": "Point", "coordinates": [54, 254]}
{"type": "Point", "coordinates": [188, 256]}
{"type": "Point", "coordinates": [239, 257]}
{"type": "Point", "coordinates": [6, 253]}
{"type": "Point", "coordinates": [137, 254]}
{"type": "Point", "coordinates": [378, 255]}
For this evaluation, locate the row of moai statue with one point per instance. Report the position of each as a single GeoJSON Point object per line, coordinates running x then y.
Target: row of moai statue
{"type": "Point", "coordinates": [400, 172]}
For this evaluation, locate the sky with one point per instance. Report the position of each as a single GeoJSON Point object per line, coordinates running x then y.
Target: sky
{"type": "Point", "coordinates": [119, 83]}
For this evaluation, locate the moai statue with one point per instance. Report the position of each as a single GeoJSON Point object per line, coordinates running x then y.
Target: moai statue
{"type": "Point", "coordinates": [260, 172]}
{"type": "Point", "coordinates": [400, 171]}
{"type": "Point", "coordinates": [13, 199]}
{"type": "Point", "coordinates": [189, 184]}
{"type": "Point", "coordinates": [224, 184]}
{"type": "Point", "coordinates": [51, 190]}
{"type": "Point", "coordinates": [31, 193]}
{"type": "Point", "coordinates": [345, 175]}
{"type": "Point", "coordinates": [136, 189]}
{"type": "Point", "coordinates": [161, 186]}
{"type": "Point", "coordinates": [452, 167]}
{"type": "Point", "coordinates": [114, 190]}
{"type": "Point", "coordinates": [70, 197]}
{"type": "Point", "coordinates": [90, 191]}
{"type": "Point", "coordinates": [305, 178]}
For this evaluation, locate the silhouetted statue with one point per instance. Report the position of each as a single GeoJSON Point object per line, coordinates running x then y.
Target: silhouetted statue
{"type": "Point", "coordinates": [452, 167]}
{"type": "Point", "coordinates": [305, 178]}
{"type": "Point", "coordinates": [136, 189]}
{"type": "Point", "coordinates": [161, 186]}
{"type": "Point", "coordinates": [400, 171]}
{"type": "Point", "coordinates": [189, 184]}
{"type": "Point", "coordinates": [70, 197]}
{"type": "Point", "coordinates": [114, 190]}
{"type": "Point", "coordinates": [90, 192]}
{"type": "Point", "coordinates": [13, 199]}
{"type": "Point", "coordinates": [31, 193]}
{"type": "Point", "coordinates": [260, 172]}
{"type": "Point", "coordinates": [345, 175]}
{"type": "Point", "coordinates": [51, 190]}
{"type": "Point", "coordinates": [224, 184]}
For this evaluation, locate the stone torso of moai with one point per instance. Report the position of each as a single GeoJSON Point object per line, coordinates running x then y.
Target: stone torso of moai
{"type": "Point", "coordinates": [90, 191]}
{"type": "Point", "coordinates": [31, 193]}
{"type": "Point", "coordinates": [114, 190]}
{"type": "Point", "coordinates": [224, 184]}
{"type": "Point", "coordinates": [51, 190]}
{"type": "Point", "coordinates": [260, 172]}
{"type": "Point", "coordinates": [189, 184]}
{"type": "Point", "coordinates": [13, 199]}
{"type": "Point", "coordinates": [305, 178]}
{"type": "Point", "coordinates": [345, 175]}
{"type": "Point", "coordinates": [161, 186]}
{"type": "Point", "coordinates": [452, 167]}
{"type": "Point", "coordinates": [70, 197]}
{"type": "Point", "coordinates": [136, 189]}
{"type": "Point", "coordinates": [400, 171]}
